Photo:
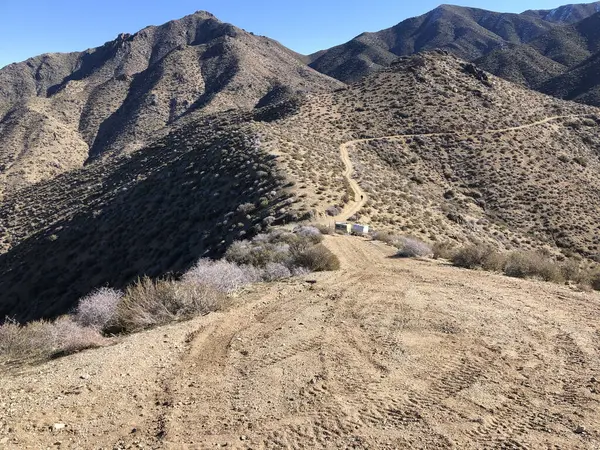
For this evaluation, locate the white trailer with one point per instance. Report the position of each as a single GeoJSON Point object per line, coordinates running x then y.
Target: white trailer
{"type": "Point", "coordinates": [360, 229]}
{"type": "Point", "coordinates": [343, 227]}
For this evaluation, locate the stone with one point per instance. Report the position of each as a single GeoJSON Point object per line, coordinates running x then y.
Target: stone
{"type": "Point", "coordinates": [58, 427]}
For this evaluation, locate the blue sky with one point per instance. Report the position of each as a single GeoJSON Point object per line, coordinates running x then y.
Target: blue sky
{"type": "Point", "coordinates": [32, 27]}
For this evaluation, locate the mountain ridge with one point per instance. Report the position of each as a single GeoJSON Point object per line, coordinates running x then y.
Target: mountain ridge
{"type": "Point", "coordinates": [111, 98]}
{"type": "Point", "coordinates": [469, 33]}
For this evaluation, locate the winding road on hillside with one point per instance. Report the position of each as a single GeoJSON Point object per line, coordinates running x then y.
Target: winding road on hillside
{"type": "Point", "coordinates": [352, 207]}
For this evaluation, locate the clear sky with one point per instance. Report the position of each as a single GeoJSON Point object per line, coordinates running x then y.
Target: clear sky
{"type": "Point", "coordinates": [32, 27]}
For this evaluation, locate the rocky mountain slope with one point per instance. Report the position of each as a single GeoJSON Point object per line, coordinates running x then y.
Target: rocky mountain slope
{"type": "Point", "coordinates": [58, 111]}
{"type": "Point", "coordinates": [580, 83]}
{"type": "Point", "coordinates": [469, 33]}
{"type": "Point", "coordinates": [548, 56]}
{"type": "Point", "coordinates": [443, 151]}
{"type": "Point", "coordinates": [566, 14]}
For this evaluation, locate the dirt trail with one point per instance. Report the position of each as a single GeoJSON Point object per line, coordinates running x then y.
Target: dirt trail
{"type": "Point", "coordinates": [360, 197]}
{"type": "Point", "coordinates": [385, 353]}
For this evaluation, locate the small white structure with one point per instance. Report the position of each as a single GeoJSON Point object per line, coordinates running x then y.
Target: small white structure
{"type": "Point", "coordinates": [343, 227]}
{"type": "Point", "coordinates": [360, 229]}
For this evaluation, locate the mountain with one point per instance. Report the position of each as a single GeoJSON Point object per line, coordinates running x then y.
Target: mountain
{"type": "Point", "coordinates": [59, 111]}
{"type": "Point", "coordinates": [469, 33]}
{"type": "Point", "coordinates": [167, 174]}
{"type": "Point", "coordinates": [580, 83]}
{"type": "Point", "coordinates": [521, 64]}
{"type": "Point", "coordinates": [447, 152]}
{"type": "Point", "coordinates": [566, 14]}
{"type": "Point", "coordinates": [554, 62]}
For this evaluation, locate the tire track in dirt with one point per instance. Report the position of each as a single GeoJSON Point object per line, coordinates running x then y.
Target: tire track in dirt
{"type": "Point", "coordinates": [390, 353]}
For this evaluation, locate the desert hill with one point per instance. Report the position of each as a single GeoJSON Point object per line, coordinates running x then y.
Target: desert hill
{"type": "Point", "coordinates": [58, 111]}
{"type": "Point", "coordinates": [142, 156]}
{"type": "Point", "coordinates": [580, 83]}
{"type": "Point", "coordinates": [154, 212]}
{"type": "Point", "coordinates": [448, 152]}
{"type": "Point", "coordinates": [443, 150]}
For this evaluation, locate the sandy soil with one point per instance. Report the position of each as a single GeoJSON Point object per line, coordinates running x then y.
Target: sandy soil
{"type": "Point", "coordinates": [385, 353]}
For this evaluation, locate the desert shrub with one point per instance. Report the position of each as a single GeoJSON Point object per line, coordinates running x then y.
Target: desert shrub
{"type": "Point", "coordinates": [41, 340]}
{"type": "Point", "coordinates": [594, 279]}
{"type": "Point", "coordinates": [98, 309]}
{"type": "Point", "coordinates": [224, 276]}
{"type": "Point", "coordinates": [299, 271]}
{"type": "Point", "coordinates": [571, 270]}
{"type": "Point", "coordinates": [443, 250]}
{"type": "Point", "coordinates": [333, 211]}
{"type": "Point", "coordinates": [257, 253]}
{"type": "Point", "coordinates": [323, 229]}
{"type": "Point", "coordinates": [317, 258]}
{"type": "Point", "coordinates": [413, 248]}
{"type": "Point", "coordinates": [386, 237]}
{"type": "Point", "coordinates": [70, 337]}
{"type": "Point", "coordinates": [312, 234]}
{"type": "Point", "coordinates": [532, 265]}
{"type": "Point", "coordinates": [494, 261]}
{"type": "Point", "coordinates": [476, 256]}
{"type": "Point", "coordinates": [275, 271]}
{"type": "Point", "coordinates": [148, 303]}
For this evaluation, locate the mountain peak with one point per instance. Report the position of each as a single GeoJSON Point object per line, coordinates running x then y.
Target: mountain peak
{"type": "Point", "coordinates": [205, 14]}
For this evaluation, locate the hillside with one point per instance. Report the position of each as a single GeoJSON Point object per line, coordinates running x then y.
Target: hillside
{"type": "Point", "coordinates": [153, 212]}
{"type": "Point", "coordinates": [521, 64]}
{"type": "Point", "coordinates": [468, 33]}
{"type": "Point", "coordinates": [385, 353]}
{"type": "Point", "coordinates": [447, 153]}
{"type": "Point", "coordinates": [547, 56]}
{"type": "Point", "coordinates": [122, 166]}
{"type": "Point", "coordinates": [566, 14]}
{"type": "Point", "coordinates": [59, 111]}
{"type": "Point", "coordinates": [443, 151]}
{"type": "Point", "coordinates": [580, 83]}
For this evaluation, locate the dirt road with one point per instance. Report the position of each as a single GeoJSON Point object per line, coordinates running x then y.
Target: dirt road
{"type": "Point", "coordinates": [385, 353]}
{"type": "Point", "coordinates": [354, 205]}
{"type": "Point", "coordinates": [360, 197]}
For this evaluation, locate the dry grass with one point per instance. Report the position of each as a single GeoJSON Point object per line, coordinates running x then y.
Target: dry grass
{"type": "Point", "coordinates": [149, 303]}
{"type": "Point", "coordinates": [98, 309]}
{"type": "Point", "coordinates": [40, 340]}
{"type": "Point", "coordinates": [529, 264]}
{"type": "Point", "coordinates": [532, 265]}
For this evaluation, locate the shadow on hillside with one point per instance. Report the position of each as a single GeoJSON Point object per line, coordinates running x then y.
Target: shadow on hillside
{"type": "Point", "coordinates": [154, 213]}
